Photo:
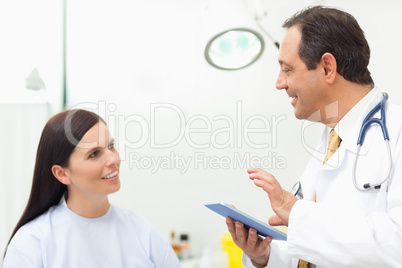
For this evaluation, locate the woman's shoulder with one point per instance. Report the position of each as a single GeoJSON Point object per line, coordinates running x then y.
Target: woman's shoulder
{"type": "Point", "coordinates": [25, 246]}
{"type": "Point", "coordinates": [130, 216]}
{"type": "Point", "coordinates": [136, 222]}
{"type": "Point", "coordinates": [144, 229]}
{"type": "Point", "coordinates": [41, 225]}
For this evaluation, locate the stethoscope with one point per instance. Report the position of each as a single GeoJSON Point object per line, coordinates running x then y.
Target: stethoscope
{"type": "Point", "coordinates": [366, 123]}
{"type": "Point", "coordinates": [369, 120]}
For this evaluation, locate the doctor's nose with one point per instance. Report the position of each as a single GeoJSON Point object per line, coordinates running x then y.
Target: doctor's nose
{"type": "Point", "coordinates": [281, 82]}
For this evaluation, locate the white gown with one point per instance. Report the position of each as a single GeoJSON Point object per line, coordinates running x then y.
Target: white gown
{"type": "Point", "coordinates": [61, 238]}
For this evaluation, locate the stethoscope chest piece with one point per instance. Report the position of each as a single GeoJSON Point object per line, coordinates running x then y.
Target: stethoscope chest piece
{"type": "Point", "coordinates": [297, 190]}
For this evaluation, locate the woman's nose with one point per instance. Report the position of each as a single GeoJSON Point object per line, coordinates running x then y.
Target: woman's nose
{"type": "Point", "coordinates": [113, 157]}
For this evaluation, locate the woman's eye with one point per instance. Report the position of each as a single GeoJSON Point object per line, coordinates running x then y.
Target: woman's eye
{"type": "Point", "coordinates": [111, 145]}
{"type": "Point", "coordinates": [93, 154]}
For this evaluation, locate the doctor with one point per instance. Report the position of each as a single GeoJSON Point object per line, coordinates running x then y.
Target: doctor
{"type": "Point", "coordinates": [323, 68]}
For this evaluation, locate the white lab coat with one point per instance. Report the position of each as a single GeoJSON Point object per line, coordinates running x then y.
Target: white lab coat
{"type": "Point", "coordinates": [347, 227]}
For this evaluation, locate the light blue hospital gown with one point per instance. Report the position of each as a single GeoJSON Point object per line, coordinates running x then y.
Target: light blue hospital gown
{"type": "Point", "coordinates": [61, 238]}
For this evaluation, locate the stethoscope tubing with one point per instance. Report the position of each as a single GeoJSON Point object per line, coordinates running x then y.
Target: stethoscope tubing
{"type": "Point", "coordinates": [366, 123]}
{"type": "Point", "coordinates": [368, 186]}
{"type": "Point", "coordinates": [368, 120]}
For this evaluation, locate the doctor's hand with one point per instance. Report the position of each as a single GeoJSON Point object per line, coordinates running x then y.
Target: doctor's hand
{"type": "Point", "coordinates": [282, 201]}
{"type": "Point", "coordinates": [253, 245]}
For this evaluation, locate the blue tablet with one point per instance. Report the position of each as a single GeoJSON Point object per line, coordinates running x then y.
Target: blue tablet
{"type": "Point", "coordinates": [262, 228]}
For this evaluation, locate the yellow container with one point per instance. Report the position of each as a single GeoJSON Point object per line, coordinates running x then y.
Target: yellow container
{"type": "Point", "coordinates": [234, 252]}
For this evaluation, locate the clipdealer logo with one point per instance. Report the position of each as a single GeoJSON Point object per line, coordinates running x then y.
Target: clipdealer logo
{"type": "Point", "coordinates": [166, 129]}
{"type": "Point", "coordinates": [313, 126]}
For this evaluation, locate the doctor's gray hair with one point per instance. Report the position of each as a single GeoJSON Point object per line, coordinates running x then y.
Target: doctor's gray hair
{"type": "Point", "coordinates": [329, 30]}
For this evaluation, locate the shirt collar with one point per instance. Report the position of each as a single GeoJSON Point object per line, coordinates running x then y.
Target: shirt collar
{"type": "Point", "coordinates": [348, 127]}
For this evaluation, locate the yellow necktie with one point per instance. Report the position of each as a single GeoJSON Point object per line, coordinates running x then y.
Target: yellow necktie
{"type": "Point", "coordinates": [333, 145]}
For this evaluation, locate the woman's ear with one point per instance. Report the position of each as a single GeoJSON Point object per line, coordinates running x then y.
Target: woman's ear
{"type": "Point", "coordinates": [61, 174]}
{"type": "Point", "coordinates": [328, 62]}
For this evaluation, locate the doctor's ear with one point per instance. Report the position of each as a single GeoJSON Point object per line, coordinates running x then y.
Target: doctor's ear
{"type": "Point", "coordinates": [61, 174]}
{"type": "Point", "coordinates": [329, 66]}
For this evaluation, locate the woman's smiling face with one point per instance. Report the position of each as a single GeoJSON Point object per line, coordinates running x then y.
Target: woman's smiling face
{"type": "Point", "coordinates": [93, 168]}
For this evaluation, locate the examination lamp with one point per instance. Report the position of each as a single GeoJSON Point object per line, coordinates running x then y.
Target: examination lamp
{"type": "Point", "coordinates": [234, 49]}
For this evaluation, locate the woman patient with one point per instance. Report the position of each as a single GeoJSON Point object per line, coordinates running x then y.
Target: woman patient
{"type": "Point", "coordinates": [68, 221]}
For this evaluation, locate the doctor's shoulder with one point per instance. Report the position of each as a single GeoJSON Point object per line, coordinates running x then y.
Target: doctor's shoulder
{"type": "Point", "coordinates": [394, 119]}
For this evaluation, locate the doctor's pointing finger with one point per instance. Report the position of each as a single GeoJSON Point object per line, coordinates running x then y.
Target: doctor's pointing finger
{"type": "Point", "coordinates": [281, 200]}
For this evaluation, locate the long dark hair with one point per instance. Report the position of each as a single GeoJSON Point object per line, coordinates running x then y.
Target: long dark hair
{"type": "Point", "coordinates": [331, 30]}
{"type": "Point", "coordinates": [60, 136]}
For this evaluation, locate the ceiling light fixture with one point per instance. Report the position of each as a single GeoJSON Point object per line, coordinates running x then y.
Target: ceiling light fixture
{"type": "Point", "coordinates": [234, 49]}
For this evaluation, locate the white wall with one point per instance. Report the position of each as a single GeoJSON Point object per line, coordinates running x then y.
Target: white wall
{"type": "Point", "coordinates": [31, 34]}
{"type": "Point", "coordinates": [124, 56]}
{"type": "Point", "coordinates": [32, 39]}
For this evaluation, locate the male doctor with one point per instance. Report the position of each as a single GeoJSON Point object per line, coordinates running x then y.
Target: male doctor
{"type": "Point", "coordinates": [323, 60]}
